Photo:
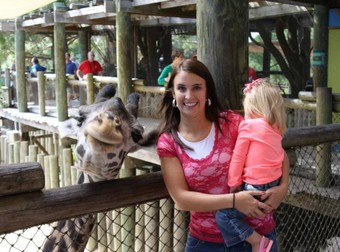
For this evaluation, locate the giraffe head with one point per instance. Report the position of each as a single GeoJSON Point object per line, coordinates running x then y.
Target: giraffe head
{"type": "Point", "coordinates": [106, 131]}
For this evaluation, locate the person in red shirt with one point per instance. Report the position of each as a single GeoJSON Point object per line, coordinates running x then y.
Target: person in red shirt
{"type": "Point", "coordinates": [251, 74]}
{"type": "Point", "coordinates": [89, 66]}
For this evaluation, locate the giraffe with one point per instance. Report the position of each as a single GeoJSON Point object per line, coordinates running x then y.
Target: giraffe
{"type": "Point", "coordinates": [106, 131]}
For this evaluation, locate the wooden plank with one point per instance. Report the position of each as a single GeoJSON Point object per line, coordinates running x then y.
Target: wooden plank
{"type": "Point", "coordinates": [19, 178]}
{"type": "Point", "coordinates": [36, 208]}
{"type": "Point", "coordinates": [304, 194]}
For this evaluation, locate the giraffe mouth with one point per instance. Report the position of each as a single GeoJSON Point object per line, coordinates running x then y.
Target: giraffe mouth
{"type": "Point", "coordinates": [106, 128]}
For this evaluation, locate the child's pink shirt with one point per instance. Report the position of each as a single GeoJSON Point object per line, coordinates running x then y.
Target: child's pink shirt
{"type": "Point", "coordinates": [258, 154]}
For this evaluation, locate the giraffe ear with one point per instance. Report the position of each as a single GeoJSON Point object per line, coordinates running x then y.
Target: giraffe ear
{"type": "Point", "coordinates": [136, 132]}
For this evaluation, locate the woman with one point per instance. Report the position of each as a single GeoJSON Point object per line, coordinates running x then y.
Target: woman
{"type": "Point", "coordinates": [195, 148]}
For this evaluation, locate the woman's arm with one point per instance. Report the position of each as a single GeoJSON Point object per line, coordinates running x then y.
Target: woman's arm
{"type": "Point", "coordinates": [185, 199]}
{"type": "Point", "coordinates": [275, 195]}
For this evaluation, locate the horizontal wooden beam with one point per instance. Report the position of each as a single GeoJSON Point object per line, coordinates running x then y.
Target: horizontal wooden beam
{"type": "Point", "coordinates": [312, 135]}
{"type": "Point", "coordinates": [20, 178]}
{"type": "Point", "coordinates": [36, 208]}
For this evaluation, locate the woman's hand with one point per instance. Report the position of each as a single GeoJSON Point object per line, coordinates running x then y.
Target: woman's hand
{"type": "Point", "coordinates": [250, 206]}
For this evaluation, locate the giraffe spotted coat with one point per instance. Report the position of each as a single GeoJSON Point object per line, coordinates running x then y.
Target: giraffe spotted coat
{"type": "Point", "coordinates": [105, 131]}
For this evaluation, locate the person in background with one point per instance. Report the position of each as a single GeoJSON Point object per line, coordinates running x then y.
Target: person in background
{"type": "Point", "coordinates": [89, 66]}
{"type": "Point", "coordinates": [177, 56]}
{"type": "Point", "coordinates": [252, 75]}
{"type": "Point", "coordinates": [36, 67]}
{"type": "Point", "coordinates": [256, 163]}
{"type": "Point", "coordinates": [195, 146]}
{"type": "Point", "coordinates": [71, 67]}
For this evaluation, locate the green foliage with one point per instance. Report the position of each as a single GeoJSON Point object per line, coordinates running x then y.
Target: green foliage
{"type": "Point", "coordinates": [187, 43]}
{"type": "Point", "coordinates": [7, 47]}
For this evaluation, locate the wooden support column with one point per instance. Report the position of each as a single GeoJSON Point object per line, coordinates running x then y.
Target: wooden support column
{"type": "Point", "coordinates": [60, 71]}
{"type": "Point", "coordinates": [84, 48]}
{"type": "Point", "coordinates": [323, 151]}
{"type": "Point", "coordinates": [124, 45]}
{"type": "Point", "coordinates": [20, 66]}
{"type": "Point", "coordinates": [320, 56]}
{"type": "Point", "coordinates": [222, 36]}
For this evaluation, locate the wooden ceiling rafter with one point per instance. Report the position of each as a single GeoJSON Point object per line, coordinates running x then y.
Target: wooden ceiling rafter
{"type": "Point", "coordinates": [160, 12]}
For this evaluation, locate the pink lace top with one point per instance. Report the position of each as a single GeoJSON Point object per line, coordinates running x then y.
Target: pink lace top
{"type": "Point", "coordinates": [207, 175]}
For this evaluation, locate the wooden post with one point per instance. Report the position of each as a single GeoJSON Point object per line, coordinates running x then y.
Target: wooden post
{"type": "Point", "coordinates": [41, 93]}
{"type": "Point", "coordinates": [3, 140]}
{"type": "Point", "coordinates": [222, 37]}
{"type": "Point", "coordinates": [180, 227]}
{"type": "Point", "coordinates": [23, 151]}
{"type": "Point", "coordinates": [67, 160]}
{"type": "Point", "coordinates": [47, 169]}
{"type": "Point", "coordinates": [320, 57]}
{"type": "Point", "coordinates": [127, 216]}
{"type": "Point", "coordinates": [83, 50]}
{"type": "Point", "coordinates": [140, 224]}
{"type": "Point", "coordinates": [60, 71]}
{"type": "Point", "coordinates": [124, 46]}
{"type": "Point", "coordinates": [166, 216]}
{"type": "Point", "coordinates": [19, 178]}
{"type": "Point", "coordinates": [323, 151]}
{"type": "Point", "coordinates": [20, 66]}
{"type": "Point", "coordinates": [54, 171]}
{"type": "Point", "coordinates": [90, 88]}
{"type": "Point", "coordinates": [32, 153]}
{"type": "Point", "coordinates": [17, 153]}
{"type": "Point", "coordinates": [8, 86]}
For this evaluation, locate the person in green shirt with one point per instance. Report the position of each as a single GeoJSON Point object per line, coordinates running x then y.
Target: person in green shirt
{"type": "Point", "coordinates": [177, 56]}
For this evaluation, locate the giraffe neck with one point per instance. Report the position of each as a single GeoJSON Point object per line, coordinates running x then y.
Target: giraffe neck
{"type": "Point", "coordinates": [73, 234]}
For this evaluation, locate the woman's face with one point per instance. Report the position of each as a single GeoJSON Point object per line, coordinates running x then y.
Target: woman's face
{"type": "Point", "coordinates": [190, 92]}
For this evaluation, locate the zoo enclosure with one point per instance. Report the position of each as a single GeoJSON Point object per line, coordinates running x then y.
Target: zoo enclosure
{"type": "Point", "coordinates": [156, 224]}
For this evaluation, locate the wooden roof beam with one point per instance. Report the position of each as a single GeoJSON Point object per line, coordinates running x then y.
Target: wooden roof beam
{"type": "Point", "coordinates": [330, 3]}
{"type": "Point", "coordinates": [165, 21]}
{"type": "Point", "coordinates": [276, 11]}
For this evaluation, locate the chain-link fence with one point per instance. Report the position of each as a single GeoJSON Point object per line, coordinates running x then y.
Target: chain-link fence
{"type": "Point", "coordinates": [308, 220]}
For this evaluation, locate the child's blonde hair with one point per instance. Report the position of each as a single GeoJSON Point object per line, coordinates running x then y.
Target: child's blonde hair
{"type": "Point", "coordinates": [264, 99]}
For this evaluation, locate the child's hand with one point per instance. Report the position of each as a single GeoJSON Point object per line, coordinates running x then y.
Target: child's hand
{"type": "Point", "coordinates": [274, 196]}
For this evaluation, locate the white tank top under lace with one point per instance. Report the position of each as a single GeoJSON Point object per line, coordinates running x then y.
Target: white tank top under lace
{"type": "Point", "coordinates": [202, 148]}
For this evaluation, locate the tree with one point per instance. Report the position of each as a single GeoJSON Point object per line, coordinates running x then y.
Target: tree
{"type": "Point", "coordinates": [293, 56]}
